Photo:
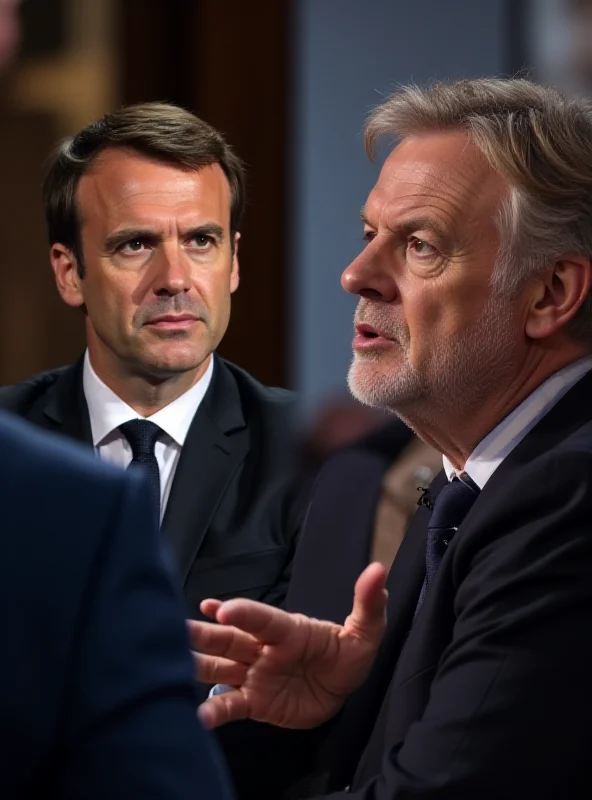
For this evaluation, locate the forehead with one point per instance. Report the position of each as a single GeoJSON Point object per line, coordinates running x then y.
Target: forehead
{"type": "Point", "coordinates": [441, 174]}
{"type": "Point", "coordinates": [124, 187]}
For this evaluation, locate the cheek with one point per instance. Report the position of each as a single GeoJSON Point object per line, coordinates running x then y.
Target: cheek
{"type": "Point", "coordinates": [435, 319]}
{"type": "Point", "coordinates": [426, 318]}
{"type": "Point", "coordinates": [108, 304]}
{"type": "Point", "coordinates": [215, 288]}
{"type": "Point", "coordinates": [445, 310]}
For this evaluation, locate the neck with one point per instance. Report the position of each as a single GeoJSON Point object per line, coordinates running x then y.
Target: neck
{"type": "Point", "coordinates": [456, 431]}
{"type": "Point", "coordinates": [145, 394]}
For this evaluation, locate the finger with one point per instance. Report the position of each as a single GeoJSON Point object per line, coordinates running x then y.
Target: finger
{"type": "Point", "coordinates": [267, 624]}
{"type": "Point", "coordinates": [212, 669]}
{"type": "Point", "coordinates": [368, 617]}
{"type": "Point", "coordinates": [223, 640]}
{"type": "Point", "coordinates": [209, 607]}
{"type": "Point", "coordinates": [223, 708]}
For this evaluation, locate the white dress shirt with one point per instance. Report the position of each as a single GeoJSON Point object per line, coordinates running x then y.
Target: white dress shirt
{"type": "Point", "coordinates": [500, 442]}
{"type": "Point", "coordinates": [107, 412]}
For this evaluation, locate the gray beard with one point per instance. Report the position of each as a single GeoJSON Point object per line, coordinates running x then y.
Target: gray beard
{"type": "Point", "coordinates": [459, 377]}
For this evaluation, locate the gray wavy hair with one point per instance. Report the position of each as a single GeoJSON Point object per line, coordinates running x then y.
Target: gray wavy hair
{"type": "Point", "coordinates": [539, 140]}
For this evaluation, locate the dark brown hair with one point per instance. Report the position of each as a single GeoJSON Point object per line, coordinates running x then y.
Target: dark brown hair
{"type": "Point", "coordinates": [161, 131]}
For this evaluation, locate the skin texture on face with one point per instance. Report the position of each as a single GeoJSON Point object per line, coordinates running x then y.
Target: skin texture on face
{"type": "Point", "coordinates": [424, 280]}
{"type": "Point", "coordinates": [434, 343]}
{"type": "Point", "coordinates": [159, 272]}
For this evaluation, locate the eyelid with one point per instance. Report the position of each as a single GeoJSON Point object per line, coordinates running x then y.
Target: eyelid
{"type": "Point", "coordinates": [211, 238]}
{"type": "Point", "coordinates": [417, 237]}
{"type": "Point", "coordinates": [434, 252]}
{"type": "Point", "coordinates": [144, 239]}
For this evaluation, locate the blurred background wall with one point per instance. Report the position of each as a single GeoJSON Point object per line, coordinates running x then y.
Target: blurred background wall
{"type": "Point", "coordinates": [347, 55]}
{"type": "Point", "coordinates": [290, 83]}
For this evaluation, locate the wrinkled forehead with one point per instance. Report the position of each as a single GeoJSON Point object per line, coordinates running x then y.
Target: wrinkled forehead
{"type": "Point", "coordinates": [443, 172]}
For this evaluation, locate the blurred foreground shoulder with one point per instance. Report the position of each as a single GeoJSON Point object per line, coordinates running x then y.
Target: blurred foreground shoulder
{"type": "Point", "coordinates": [97, 695]}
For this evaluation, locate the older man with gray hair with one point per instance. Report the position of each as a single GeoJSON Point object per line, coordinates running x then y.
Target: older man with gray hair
{"type": "Point", "coordinates": [471, 678]}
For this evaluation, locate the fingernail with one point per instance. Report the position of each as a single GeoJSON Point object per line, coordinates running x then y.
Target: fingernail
{"type": "Point", "coordinates": [220, 688]}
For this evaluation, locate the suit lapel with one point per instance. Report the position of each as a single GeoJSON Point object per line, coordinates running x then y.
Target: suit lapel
{"type": "Point", "coordinates": [563, 420]}
{"type": "Point", "coordinates": [404, 585]}
{"type": "Point", "coordinates": [65, 410]}
{"type": "Point", "coordinates": [216, 445]}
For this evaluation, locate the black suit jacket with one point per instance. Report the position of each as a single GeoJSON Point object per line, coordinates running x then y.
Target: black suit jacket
{"type": "Point", "coordinates": [233, 513]}
{"type": "Point", "coordinates": [488, 693]}
{"type": "Point", "coordinates": [97, 697]}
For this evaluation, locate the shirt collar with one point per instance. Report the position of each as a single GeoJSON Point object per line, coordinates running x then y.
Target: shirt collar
{"type": "Point", "coordinates": [107, 411]}
{"type": "Point", "coordinates": [500, 442]}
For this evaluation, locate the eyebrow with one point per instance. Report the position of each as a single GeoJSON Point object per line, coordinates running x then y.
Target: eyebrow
{"type": "Point", "coordinates": [119, 238]}
{"type": "Point", "coordinates": [407, 226]}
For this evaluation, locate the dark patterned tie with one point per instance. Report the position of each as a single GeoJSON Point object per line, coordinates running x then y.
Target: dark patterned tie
{"type": "Point", "coordinates": [450, 508]}
{"type": "Point", "coordinates": [142, 436]}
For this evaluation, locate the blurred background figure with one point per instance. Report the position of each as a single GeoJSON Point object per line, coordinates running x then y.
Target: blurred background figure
{"type": "Point", "coordinates": [352, 443]}
{"type": "Point", "coordinates": [557, 42]}
{"type": "Point", "coordinates": [10, 30]}
{"type": "Point", "coordinates": [581, 18]}
{"type": "Point", "coordinates": [338, 422]}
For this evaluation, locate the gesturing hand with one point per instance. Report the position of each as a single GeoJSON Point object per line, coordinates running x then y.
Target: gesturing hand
{"type": "Point", "coordinates": [287, 669]}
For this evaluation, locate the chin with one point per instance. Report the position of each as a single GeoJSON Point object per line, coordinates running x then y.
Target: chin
{"type": "Point", "coordinates": [175, 359]}
{"type": "Point", "coordinates": [366, 383]}
{"type": "Point", "coordinates": [163, 367]}
{"type": "Point", "coordinates": [387, 387]}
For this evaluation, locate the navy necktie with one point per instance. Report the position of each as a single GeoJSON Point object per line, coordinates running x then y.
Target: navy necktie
{"type": "Point", "coordinates": [450, 508]}
{"type": "Point", "coordinates": [142, 436]}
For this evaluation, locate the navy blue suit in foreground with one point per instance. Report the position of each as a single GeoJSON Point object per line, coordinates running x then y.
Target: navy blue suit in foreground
{"type": "Point", "coordinates": [96, 680]}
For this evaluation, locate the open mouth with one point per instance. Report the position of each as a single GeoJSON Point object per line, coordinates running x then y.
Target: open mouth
{"type": "Point", "coordinates": [368, 337]}
{"type": "Point", "coordinates": [368, 332]}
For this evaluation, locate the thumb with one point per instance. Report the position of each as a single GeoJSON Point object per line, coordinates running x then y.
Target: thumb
{"type": "Point", "coordinates": [368, 617]}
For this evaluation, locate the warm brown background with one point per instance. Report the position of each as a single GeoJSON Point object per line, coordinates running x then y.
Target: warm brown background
{"type": "Point", "coordinates": [226, 61]}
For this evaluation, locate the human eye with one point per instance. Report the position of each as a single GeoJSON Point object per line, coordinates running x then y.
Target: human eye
{"type": "Point", "coordinates": [368, 235]}
{"type": "Point", "coordinates": [420, 249]}
{"type": "Point", "coordinates": [202, 241]}
{"type": "Point", "coordinates": [133, 247]}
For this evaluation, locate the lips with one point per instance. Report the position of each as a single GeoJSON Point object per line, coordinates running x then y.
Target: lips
{"type": "Point", "coordinates": [172, 324]}
{"type": "Point", "coordinates": [369, 338]}
{"type": "Point", "coordinates": [368, 331]}
{"type": "Point", "coordinates": [171, 319]}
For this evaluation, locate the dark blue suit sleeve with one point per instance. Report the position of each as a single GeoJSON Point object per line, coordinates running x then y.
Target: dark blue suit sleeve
{"type": "Point", "coordinates": [130, 729]}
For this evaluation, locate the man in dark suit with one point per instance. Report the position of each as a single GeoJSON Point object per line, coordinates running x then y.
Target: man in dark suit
{"type": "Point", "coordinates": [143, 210]}
{"type": "Point", "coordinates": [97, 690]}
{"type": "Point", "coordinates": [471, 679]}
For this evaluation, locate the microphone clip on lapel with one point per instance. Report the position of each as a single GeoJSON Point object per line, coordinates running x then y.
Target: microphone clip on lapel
{"type": "Point", "coordinates": [425, 498]}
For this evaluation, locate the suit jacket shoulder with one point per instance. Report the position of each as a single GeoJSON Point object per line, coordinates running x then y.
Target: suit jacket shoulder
{"type": "Point", "coordinates": [96, 661]}
{"type": "Point", "coordinates": [256, 395]}
{"type": "Point", "coordinates": [20, 398]}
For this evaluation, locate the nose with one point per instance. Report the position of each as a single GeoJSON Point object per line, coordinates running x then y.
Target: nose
{"type": "Point", "coordinates": [372, 274]}
{"type": "Point", "coordinates": [173, 274]}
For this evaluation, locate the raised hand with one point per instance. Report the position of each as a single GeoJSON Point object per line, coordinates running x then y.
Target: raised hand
{"type": "Point", "coordinates": [287, 669]}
